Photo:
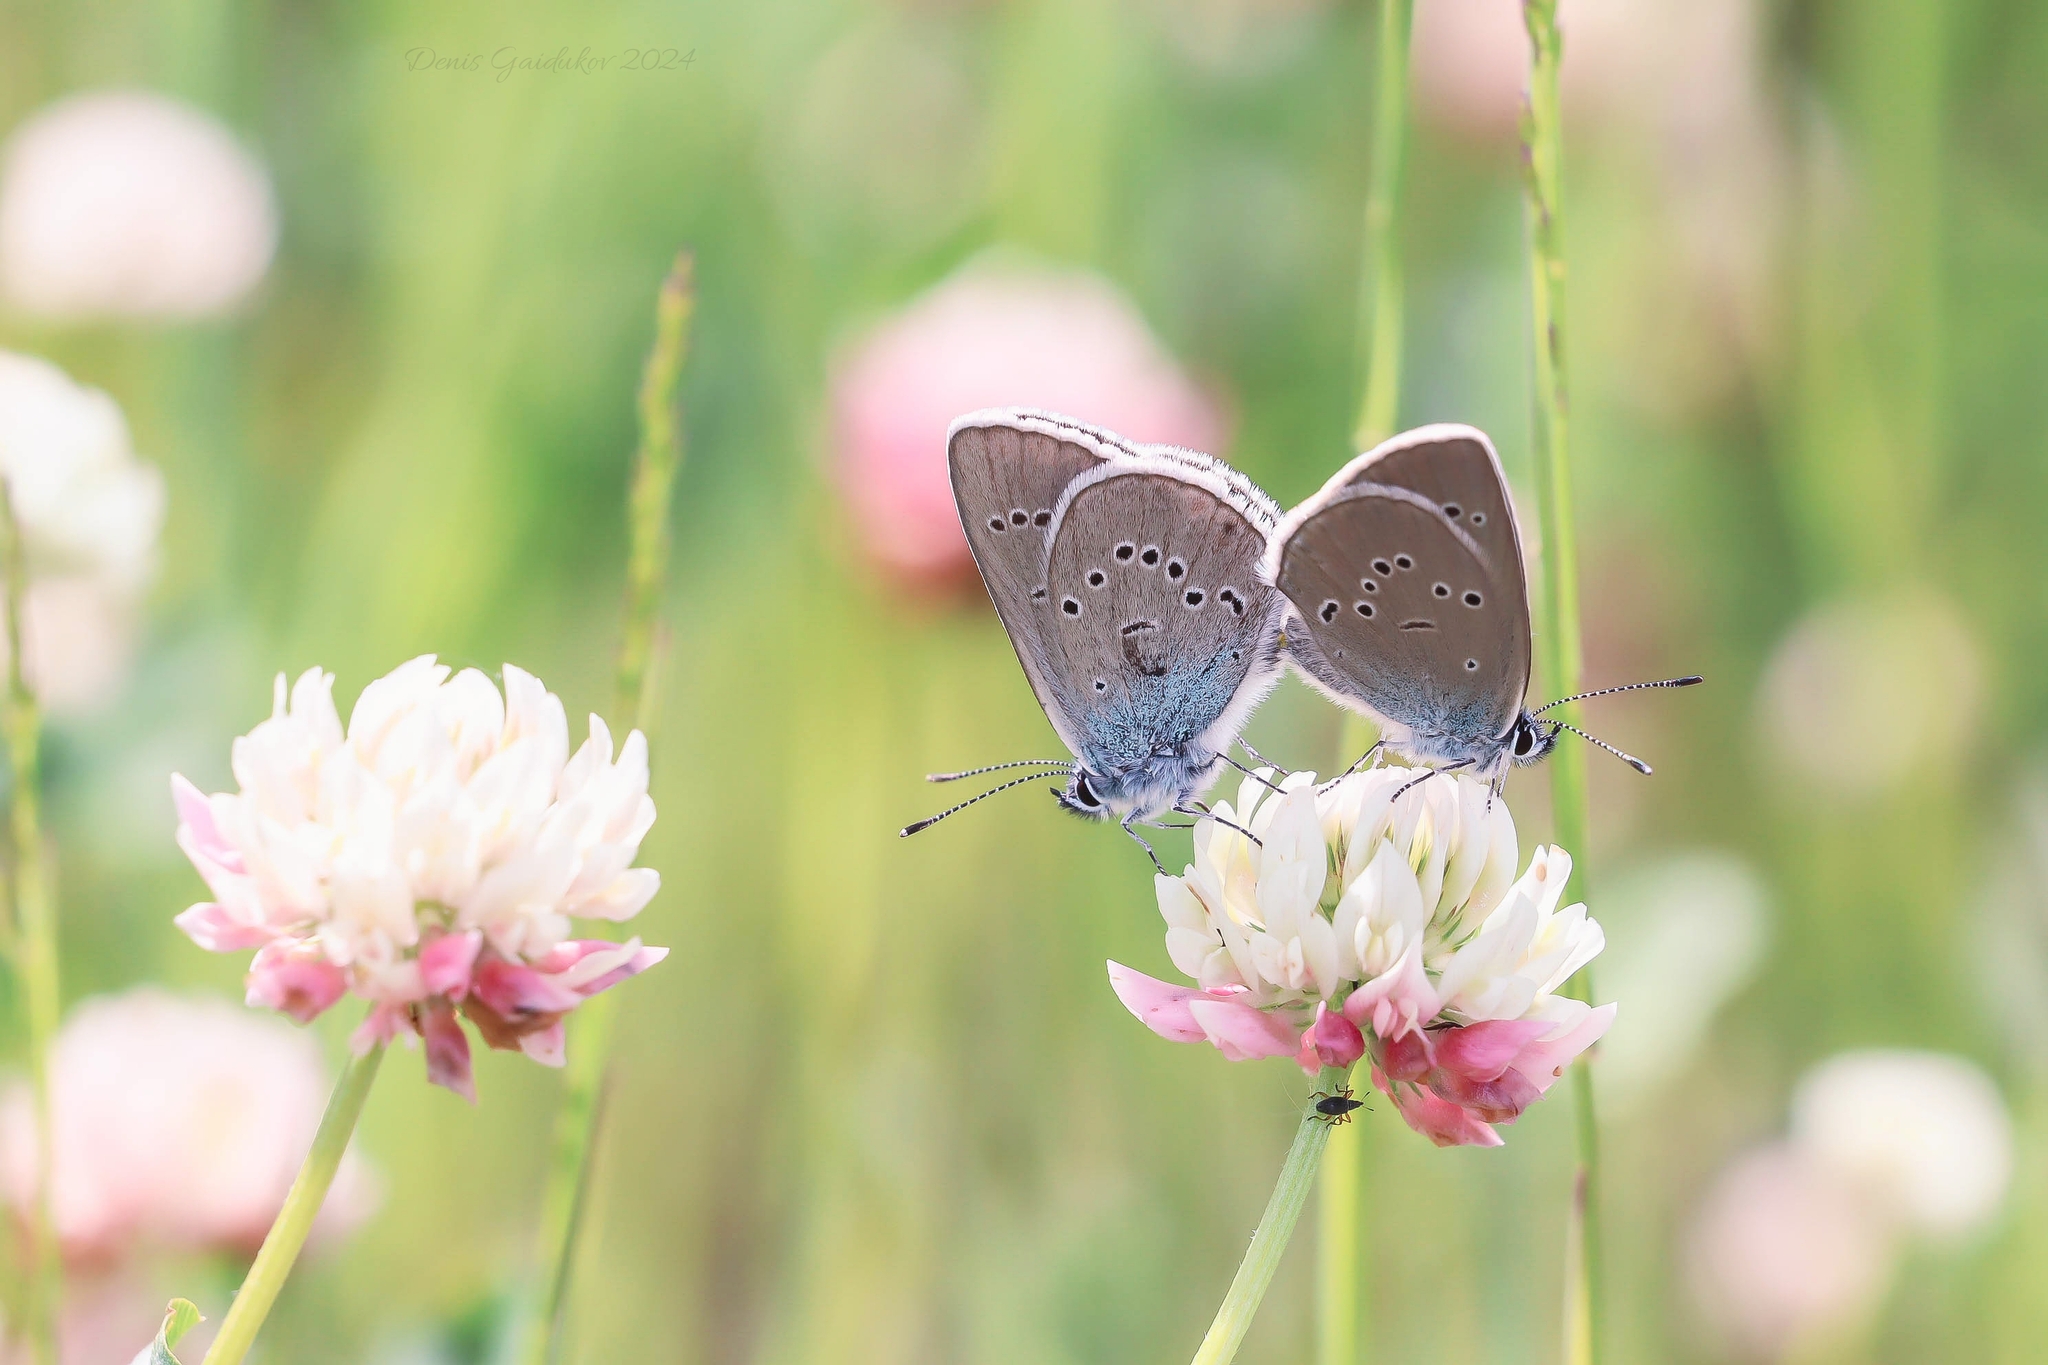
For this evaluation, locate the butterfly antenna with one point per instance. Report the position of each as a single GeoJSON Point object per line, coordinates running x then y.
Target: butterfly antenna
{"type": "Point", "coordinates": [1691, 679]}
{"type": "Point", "coordinates": [931, 820]}
{"type": "Point", "coordinates": [1629, 759]}
{"type": "Point", "coordinates": [998, 767]}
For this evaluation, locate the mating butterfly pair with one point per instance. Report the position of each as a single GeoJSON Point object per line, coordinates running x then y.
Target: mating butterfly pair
{"type": "Point", "coordinates": [1154, 595]}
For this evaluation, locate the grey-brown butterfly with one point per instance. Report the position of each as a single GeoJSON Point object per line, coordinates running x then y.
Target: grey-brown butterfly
{"type": "Point", "coordinates": [1410, 603]}
{"type": "Point", "coordinates": [1128, 577]}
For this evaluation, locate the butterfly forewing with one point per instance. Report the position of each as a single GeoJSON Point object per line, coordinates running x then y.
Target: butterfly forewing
{"type": "Point", "coordinates": [1159, 618]}
{"type": "Point", "coordinates": [1406, 571]}
{"type": "Point", "coordinates": [1008, 470]}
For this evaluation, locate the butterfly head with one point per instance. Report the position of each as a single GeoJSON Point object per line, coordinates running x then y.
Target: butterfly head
{"type": "Point", "coordinates": [1530, 740]}
{"type": "Point", "coordinates": [1159, 782]}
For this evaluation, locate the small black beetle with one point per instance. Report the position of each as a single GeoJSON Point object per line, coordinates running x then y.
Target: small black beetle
{"type": "Point", "coordinates": [1336, 1108]}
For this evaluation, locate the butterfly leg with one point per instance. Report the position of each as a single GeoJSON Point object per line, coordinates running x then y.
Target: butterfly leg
{"type": "Point", "coordinates": [1406, 787]}
{"type": "Point", "coordinates": [1369, 754]}
{"type": "Point", "coordinates": [1125, 825]}
{"type": "Point", "coordinates": [1261, 759]}
{"type": "Point", "coordinates": [1253, 775]}
{"type": "Point", "coordinates": [1202, 810]}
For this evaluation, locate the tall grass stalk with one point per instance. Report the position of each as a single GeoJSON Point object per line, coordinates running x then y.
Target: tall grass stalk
{"type": "Point", "coordinates": [1380, 299]}
{"type": "Point", "coordinates": [1276, 1227]}
{"type": "Point", "coordinates": [565, 1198]}
{"type": "Point", "coordinates": [1542, 156]}
{"type": "Point", "coordinates": [31, 935]}
{"type": "Point", "coordinates": [1340, 1208]}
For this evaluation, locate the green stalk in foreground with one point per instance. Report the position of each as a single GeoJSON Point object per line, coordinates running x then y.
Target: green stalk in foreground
{"type": "Point", "coordinates": [1543, 155]}
{"type": "Point", "coordinates": [1380, 297]}
{"type": "Point", "coordinates": [32, 935]}
{"type": "Point", "coordinates": [564, 1199]}
{"type": "Point", "coordinates": [288, 1234]}
{"type": "Point", "coordinates": [1339, 1212]}
{"type": "Point", "coordinates": [1269, 1242]}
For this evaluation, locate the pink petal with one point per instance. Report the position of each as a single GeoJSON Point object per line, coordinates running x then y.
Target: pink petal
{"type": "Point", "coordinates": [1408, 1057]}
{"type": "Point", "coordinates": [1336, 1039]}
{"type": "Point", "coordinates": [1436, 1118]}
{"type": "Point", "coordinates": [512, 989]}
{"type": "Point", "coordinates": [209, 925]}
{"type": "Point", "coordinates": [1398, 1001]}
{"type": "Point", "coordinates": [1544, 1062]}
{"type": "Point", "coordinates": [195, 815]}
{"type": "Point", "coordinates": [447, 1051]}
{"type": "Point", "coordinates": [294, 983]}
{"type": "Point", "coordinates": [446, 963]}
{"type": "Point", "coordinates": [385, 1023]}
{"type": "Point", "coordinates": [1158, 1005]}
{"type": "Point", "coordinates": [638, 962]}
{"type": "Point", "coordinates": [1480, 1052]}
{"type": "Point", "coordinates": [1241, 1032]}
{"type": "Point", "coordinates": [548, 1046]}
{"type": "Point", "coordinates": [1499, 1100]}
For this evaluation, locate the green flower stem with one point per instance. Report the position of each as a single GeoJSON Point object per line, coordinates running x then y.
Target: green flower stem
{"type": "Point", "coordinates": [564, 1199]}
{"type": "Point", "coordinates": [1543, 154]}
{"type": "Point", "coordinates": [1337, 1232]}
{"type": "Point", "coordinates": [1262, 1258]}
{"type": "Point", "coordinates": [1380, 294]}
{"type": "Point", "coordinates": [32, 935]}
{"type": "Point", "coordinates": [288, 1234]}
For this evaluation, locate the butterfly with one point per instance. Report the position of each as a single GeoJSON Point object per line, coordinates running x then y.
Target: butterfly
{"type": "Point", "coordinates": [1128, 578]}
{"type": "Point", "coordinates": [1408, 602]}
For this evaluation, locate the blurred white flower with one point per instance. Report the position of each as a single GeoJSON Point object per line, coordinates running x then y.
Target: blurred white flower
{"type": "Point", "coordinates": [126, 204]}
{"type": "Point", "coordinates": [179, 1123]}
{"type": "Point", "coordinates": [428, 859]}
{"type": "Point", "coordinates": [1783, 1256]}
{"type": "Point", "coordinates": [1863, 690]}
{"type": "Point", "coordinates": [89, 513]}
{"type": "Point", "coordinates": [990, 336]}
{"type": "Point", "coordinates": [1922, 1136]}
{"type": "Point", "coordinates": [1693, 929]}
{"type": "Point", "coordinates": [1359, 923]}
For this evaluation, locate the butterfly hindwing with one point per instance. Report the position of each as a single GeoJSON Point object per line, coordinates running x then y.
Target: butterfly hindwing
{"type": "Point", "coordinates": [1406, 572]}
{"type": "Point", "coordinates": [1162, 633]}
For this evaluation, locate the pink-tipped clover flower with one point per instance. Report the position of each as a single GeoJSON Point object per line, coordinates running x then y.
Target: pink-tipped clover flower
{"type": "Point", "coordinates": [429, 858]}
{"type": "Point", "coordinates": [1359, 925]}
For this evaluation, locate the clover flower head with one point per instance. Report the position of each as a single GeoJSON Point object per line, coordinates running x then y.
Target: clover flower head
{"type": "Point", "coordinates": [1378, 915]}
{"type": "Point", "coordinates": [429, 858]}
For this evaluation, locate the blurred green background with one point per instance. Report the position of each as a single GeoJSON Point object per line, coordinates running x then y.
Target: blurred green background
{"type": "Point", "coordinates": [879, 1105]}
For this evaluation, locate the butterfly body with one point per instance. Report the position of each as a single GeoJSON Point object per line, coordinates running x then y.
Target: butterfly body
{"type": "Point", "coordinates": [1128, 579]}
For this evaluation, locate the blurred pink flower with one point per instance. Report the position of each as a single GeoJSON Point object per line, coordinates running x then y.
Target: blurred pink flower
{"type": "Point", "coordinates": [990, 336]}
{"type": "Point", "coordinates": [1783, 1255]}
{"type": "Point", "coordinates": [89, 512]}
{"type": "Point", "coordinates": [429, 859]}
{"type": "Point", "coordinates": [179, 1123]}
{"type": "Point", "coordinates": [127, 204]}
{"type": "Point", "coordinates": [1422, 954]}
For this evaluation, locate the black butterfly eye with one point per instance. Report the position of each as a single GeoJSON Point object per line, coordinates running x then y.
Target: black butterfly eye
{"type": "Point", "coordinates": [1524, 742]}
{"type": "Point", "coordinates": [1084, 793]}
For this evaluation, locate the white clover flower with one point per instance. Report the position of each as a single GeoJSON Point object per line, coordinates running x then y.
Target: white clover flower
{"type": "Point", "coordinates": [430, 856]}
{"type": "Point", "coordinates": [89, 513]}
{"type": "Point", "coordinates": [1329, 922]}
{"type": "Point", "coordinates": [126, 204]}
{"type": "Point", "coordinates": [1923, 1136]}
